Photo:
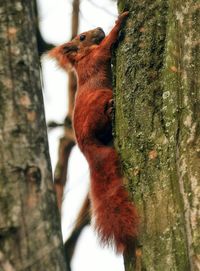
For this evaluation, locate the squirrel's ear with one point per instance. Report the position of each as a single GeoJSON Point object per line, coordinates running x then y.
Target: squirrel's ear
{"type": "Point", "coordinates": [69, 48]}
{"type": "Point", "coordinates": [64, 55]}
{"type": "Point", "coordinates": [54, 53]}
{"type": "Point", "coordinates": [64, 49]}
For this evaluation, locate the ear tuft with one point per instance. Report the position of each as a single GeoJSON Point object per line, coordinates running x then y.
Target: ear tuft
{"type": "Point", "coordinates": [54, 52]}
{"type": "Point", "coordinates": [69, 48]}
{"type": "Point", "coordinates": [63, 54]}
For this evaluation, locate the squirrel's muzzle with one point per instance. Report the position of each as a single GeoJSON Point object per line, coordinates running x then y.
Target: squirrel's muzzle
{"type": "Point", "coordinates": [99, 35]}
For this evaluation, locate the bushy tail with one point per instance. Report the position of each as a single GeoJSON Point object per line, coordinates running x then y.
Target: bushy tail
{"type": "Point", "coordinates": [116, 218]}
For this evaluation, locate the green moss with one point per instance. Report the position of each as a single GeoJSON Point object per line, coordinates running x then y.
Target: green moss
{"type": "Point", "coordinates": [2, 101]}
{"type": "Point", "coordinates": [154, 120]}
{"type": "Point", "coordinates": [121, 6]}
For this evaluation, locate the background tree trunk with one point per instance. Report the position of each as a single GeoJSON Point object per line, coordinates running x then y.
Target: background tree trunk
{"type": "Point", "coordinates": [30, 236]}
{"type": "Point", "coordinates": [157, 123]}
{"type": "Point", "coordinates": [67, 142]}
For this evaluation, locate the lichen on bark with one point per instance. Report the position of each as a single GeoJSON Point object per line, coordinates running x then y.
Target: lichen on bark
{"type": "Point", "coordinates": [157, 128]}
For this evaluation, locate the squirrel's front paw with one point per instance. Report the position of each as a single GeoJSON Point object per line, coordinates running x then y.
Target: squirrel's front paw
{"type": "Point", "coordinates": [122, 17]}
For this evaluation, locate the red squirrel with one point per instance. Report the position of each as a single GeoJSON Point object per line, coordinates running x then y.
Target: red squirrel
{"type": "Point", "coordinates": [115, 217]}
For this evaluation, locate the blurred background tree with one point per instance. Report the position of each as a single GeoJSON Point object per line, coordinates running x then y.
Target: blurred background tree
{"type": "Point", "coordinates": [30, 236]}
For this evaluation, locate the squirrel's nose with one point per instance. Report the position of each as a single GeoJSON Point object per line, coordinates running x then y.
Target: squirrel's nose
{"type": "Point", "coordinates": [99, 28]}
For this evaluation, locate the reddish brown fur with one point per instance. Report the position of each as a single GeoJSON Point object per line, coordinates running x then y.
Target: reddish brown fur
{"type": "Point", "coordinates": [116, 219]}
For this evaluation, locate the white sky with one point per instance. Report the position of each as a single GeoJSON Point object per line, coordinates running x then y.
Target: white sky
{"type": "Point", "coordinates": [55, 23]}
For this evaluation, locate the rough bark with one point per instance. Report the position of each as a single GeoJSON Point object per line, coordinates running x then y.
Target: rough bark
{"type": "Point", "coordinates": [157, 127]}
{"type": "Point", "coordinates": [30, 237]}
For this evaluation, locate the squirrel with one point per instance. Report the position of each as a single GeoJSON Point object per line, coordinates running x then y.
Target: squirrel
{"type": "Point", "coordinates": [89, 54]}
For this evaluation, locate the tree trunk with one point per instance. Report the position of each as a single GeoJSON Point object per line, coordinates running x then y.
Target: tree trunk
{"type": "Point", "coordinates": [157, 127]}
{"type": "Point", "coordinates": [30, 237]}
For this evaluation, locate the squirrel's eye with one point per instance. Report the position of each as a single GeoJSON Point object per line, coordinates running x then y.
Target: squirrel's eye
{"type": "Point", "coordinates": [82, 37]}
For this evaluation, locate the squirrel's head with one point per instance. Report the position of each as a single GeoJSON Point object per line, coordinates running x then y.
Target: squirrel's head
{"type": "Point", "coordinates": [68, 54]}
